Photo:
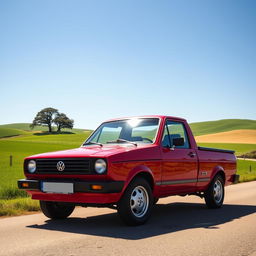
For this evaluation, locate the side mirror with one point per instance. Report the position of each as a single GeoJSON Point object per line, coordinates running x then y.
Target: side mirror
{"type": "Point", "coordinates": [178, 142]}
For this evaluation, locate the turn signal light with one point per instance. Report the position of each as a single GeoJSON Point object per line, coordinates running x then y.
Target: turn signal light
{"type": "Point", "coordinates": [97, 187]}
{"type": "Point", "coordinates": [25, 185]}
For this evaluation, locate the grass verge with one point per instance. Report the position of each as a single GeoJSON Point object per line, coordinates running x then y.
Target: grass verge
{"type": "Point", "coordinates": [18, 206]}
{"type": "Point", "coordinates": [247, 170]}
{"type": "Point", "coordinates": [12, 193]}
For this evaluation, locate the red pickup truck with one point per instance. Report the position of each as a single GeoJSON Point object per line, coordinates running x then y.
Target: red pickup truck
{"type": "Point", "coordinates": [128, 164]}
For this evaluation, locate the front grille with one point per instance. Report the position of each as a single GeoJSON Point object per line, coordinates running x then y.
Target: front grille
{"type": "Point", "coordinates": [75, 165]}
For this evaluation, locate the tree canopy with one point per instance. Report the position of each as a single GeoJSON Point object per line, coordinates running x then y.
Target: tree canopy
{"type": "Point", "coordinates": [62, 121]}
{"type": "Point", "coordinates": [50, 116]}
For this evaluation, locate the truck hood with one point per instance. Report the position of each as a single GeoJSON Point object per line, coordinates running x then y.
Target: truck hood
{"type": "Point", "coordinates": [91, 151]}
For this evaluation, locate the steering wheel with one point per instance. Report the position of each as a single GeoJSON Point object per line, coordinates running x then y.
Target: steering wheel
{"type": "Point", "coordinates": [151, 141]}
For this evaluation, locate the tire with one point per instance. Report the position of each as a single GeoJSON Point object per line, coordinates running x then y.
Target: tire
{"type": "Point", "coordinates": [155, 200]}
{"type": "Point", "coordinates": [55, 210]}
{"type": "Point", "coordinates": [214, 195]}
{"type": "Point", "coordinates": [135, 206]}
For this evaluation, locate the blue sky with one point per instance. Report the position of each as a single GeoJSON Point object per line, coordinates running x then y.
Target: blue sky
{"type": "Point", "coordinates": [95, 60]}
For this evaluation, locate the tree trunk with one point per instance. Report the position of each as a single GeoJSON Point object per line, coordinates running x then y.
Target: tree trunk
{"type": "Point", "coordinates": [50, 128]}
{"type": "Point", "coordinates": [58, 128]}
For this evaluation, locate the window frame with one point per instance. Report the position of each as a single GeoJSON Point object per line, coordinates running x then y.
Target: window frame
{"type": "Point", "coordinates": [185, 133]}
{"type": "Point", "coordinates": [125, 119]}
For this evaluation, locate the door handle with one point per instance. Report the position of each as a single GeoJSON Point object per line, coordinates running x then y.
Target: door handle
{"type": "Point", "coordinates": [191, 154]}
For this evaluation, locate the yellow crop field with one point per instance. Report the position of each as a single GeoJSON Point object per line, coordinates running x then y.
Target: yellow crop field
{"type": "Point", "coordinates": [235, 136]}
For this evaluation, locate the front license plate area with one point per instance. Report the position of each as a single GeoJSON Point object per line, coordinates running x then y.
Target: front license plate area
{"type": "Point", "coordinates": [57, 187]}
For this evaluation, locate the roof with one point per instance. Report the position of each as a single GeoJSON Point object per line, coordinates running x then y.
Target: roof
{"type": "Point", "coordinates": [147, 116]}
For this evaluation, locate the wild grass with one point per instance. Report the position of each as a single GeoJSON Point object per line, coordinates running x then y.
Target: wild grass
{"type": "Point", "coordinates": [18, 206]}
{"type": "Point", "coordinates": [251, 155]}
{"type": "Point", "coordinates": [12, 192]}
{"type": "Point", "coordinates": [246, 170]}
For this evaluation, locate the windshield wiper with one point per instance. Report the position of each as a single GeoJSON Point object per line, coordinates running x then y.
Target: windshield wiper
{"type": "Point", "coordinates": [92, 143]}
{"type": "Point", "coordinates": [122, 141]}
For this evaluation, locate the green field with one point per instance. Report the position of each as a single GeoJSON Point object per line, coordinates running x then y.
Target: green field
{"type": "Point", "coordinates": [20, 147]}
{"type": "Point", "coordinates": [239, 148]}
{"type": "Point", "coordinates": [202, 128]}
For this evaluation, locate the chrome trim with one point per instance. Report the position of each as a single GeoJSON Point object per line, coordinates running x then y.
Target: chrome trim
{"type": "Point", "coordinates": [174, 182]}
{"type": "Point", "coordinates": [203, 179]}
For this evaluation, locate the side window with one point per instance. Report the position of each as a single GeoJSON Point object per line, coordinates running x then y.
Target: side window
{"type": "Point", "coordinates": [175, 130]}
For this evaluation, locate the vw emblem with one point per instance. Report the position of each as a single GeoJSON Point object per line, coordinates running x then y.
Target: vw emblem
{"type": "Point", "coordinates": [60, 166]}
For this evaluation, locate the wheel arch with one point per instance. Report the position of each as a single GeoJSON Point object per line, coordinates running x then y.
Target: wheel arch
{"type": "Point", "coordinates": [219, 170]}
{"type": "Point", "coordinates": [143, 172]}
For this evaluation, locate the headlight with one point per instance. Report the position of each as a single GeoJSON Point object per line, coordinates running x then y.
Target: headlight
{"type": "Point", "coordinates": [100, 166]}
{"type": "Point", "coordinates": [32, 166]}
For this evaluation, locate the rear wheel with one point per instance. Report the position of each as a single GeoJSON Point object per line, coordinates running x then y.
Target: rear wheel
{"type": "Point", "coordinates": [214, 195]}
{"type": "Point", "coordinates": [55, 210]}
{"type": "Point", "coordinates": [136, 203]}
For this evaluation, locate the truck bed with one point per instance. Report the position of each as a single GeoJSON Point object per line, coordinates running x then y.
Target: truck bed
{"type": "Point", "coordinates": [216, 150]}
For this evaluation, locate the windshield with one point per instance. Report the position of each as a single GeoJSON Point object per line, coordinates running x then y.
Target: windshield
{"type": "Point", "coordinates": [132, 131]}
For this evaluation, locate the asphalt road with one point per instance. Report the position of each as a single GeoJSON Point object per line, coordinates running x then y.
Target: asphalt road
{"type": "Point", "coordinates": [178, 226]}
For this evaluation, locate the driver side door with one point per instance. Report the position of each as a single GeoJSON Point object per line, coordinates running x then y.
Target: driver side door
{"type": "Point", "coordinates": [179, 163]}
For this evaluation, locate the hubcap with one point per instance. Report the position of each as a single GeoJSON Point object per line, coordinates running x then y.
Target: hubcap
{"type": "Point", "coordinates": [139, 201]}
{"type": "Point", "coordinates": [218, 191]}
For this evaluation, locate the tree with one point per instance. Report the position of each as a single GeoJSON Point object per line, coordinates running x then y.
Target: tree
{"type": "Point", "coordinates": [62, 121]}
{"type": "Point", "coordinates": [45, 117]}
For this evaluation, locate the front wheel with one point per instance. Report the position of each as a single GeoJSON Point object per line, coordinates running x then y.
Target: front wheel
{"type": "Point", "coordinates": [136, 203]}
{"type": "Point", "coordinates": [214, 195]}
{"type": "Point", "coordinates": [55, 210]}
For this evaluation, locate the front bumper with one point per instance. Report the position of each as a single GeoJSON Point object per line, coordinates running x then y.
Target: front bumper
{"type": "Point", "coordinates": [79, 186]}
{"type": "Point", "coordinates": [83, 194]}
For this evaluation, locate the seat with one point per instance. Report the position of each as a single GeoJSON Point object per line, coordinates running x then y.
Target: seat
{"type": "Point", "coordinates": [166, 142]}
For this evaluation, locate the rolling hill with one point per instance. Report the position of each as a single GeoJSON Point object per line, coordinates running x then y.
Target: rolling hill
{"type": "Point", "coordinates": [225, 125]}
{"type": "Point", "coordinates": [23, 126]}
{"type": "Point", "coordinates": [7, 130]}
